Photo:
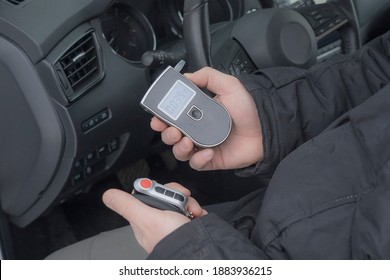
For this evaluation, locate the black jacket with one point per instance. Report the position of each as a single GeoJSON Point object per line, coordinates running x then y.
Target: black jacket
{"type": "Point", "coordinates": [327, 143]}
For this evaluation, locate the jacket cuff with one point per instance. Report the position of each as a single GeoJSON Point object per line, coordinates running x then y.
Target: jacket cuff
{"type": "Point", "coordinates": [260, 88]}
{"type": "Point", "coordinates": [207, 237]}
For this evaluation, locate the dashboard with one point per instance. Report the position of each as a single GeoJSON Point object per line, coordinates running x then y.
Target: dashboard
{"type": "Point", "coordinates": [72, 80]}
{"type": "Point", "coordinates": [72, 77]}
{"type": "Point", "coordinates": [131, 28]}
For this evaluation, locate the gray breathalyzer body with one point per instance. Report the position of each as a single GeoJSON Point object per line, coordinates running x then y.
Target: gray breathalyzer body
{"type": "Point", "coordinates": [178, 102]}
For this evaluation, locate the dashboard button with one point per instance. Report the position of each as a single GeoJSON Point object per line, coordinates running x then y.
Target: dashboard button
{"type": "Point", "coordinates": [103, 150]}
{"type": "Point", "coordinates": [104, 115]}
{"type": "Point", "coordinates": [89, 171]}
{"type": "Point", "coordinates": [114, 145]}
{"type": "Point", "coordinates": [78, 164]}
{"type": "Point", "coordinates": [77, 178]}
{"type": "Point", "coordinates": [90, 157]}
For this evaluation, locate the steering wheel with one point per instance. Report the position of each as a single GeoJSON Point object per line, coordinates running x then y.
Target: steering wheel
{"type": "Point", "coordinates": [266, 37]}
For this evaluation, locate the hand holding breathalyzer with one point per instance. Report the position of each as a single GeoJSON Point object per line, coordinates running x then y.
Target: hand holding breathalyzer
{"type": "Point", "coordinates": [244, 145]}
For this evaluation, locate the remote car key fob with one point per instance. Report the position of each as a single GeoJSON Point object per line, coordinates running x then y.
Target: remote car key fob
{"type": "Point", "coordinates": [178, 102]}
{"type": "Point", "coordinates": [159, 196]}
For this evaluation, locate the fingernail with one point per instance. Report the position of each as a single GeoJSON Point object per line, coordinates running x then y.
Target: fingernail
{"type": "Point", "coordinates": [107, 198]}
{"type": "Point", "coordinates": [207, 154]}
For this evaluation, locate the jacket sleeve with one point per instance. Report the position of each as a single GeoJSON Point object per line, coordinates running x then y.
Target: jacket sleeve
{"type": "Point", "coordinates": [208, 237]}
{"type": "Point", "coordinates": [295, 105]}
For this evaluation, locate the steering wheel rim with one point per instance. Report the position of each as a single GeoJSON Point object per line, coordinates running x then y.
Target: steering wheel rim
{"type": "Point", "coordinates": [307, 21]}
{"type": "Point", "coordinates": [196, 31]}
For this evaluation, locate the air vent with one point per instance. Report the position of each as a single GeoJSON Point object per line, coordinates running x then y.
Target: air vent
{"type": "Point", "coordinates": [80, 67]}
{"type": "Point", "coordinates": [16, 2]}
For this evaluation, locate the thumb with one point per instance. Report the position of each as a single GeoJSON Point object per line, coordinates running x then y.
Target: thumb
{"type": "Point", "coordinates": [214, 80]}
{"type": "Point", "coordinates": [203, 160]}
{"type": "Point", "coordinates": [126, 205]}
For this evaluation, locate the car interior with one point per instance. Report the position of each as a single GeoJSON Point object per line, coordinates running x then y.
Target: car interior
{"type": "Point", "coordinates": [73, 73]}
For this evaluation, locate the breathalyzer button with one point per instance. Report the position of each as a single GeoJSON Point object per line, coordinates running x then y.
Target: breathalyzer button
{"type": "Point", "coordinates": [179, 197]}
{"type": "Point", "coordinates": [169, 193]}
{"type": "Point", "coordinates": [195, 113]}
{"type": "Point", "coordinates": [159, 190]}
{"type": "Point", "coordinates": [145, 183]}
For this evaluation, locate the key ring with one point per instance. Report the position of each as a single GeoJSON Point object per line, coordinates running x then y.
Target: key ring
{"type": "Point", "coordinates": [189, 215]}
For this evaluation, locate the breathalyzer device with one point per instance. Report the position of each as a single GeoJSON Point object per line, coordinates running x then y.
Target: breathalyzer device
{"type": "Point", "coordinates": [178, 102]}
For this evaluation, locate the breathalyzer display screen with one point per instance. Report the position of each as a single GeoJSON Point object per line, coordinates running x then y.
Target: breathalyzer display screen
{"type": "Point", "coordinates": [176, 100]}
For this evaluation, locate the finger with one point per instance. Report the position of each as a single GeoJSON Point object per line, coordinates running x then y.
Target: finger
{"type": "Point", "coordinates": [157, 125]}
{"type": "Point", "coordinates": [180, 188]}
{"type": "Point", "coordinates": [127, 206]}
{"type": "Point", "coordinates": [184, 149]}
{"type": "Point", "coordinates": [214, 80]}
{"type": "Point", "coordinates": [202, 160]}
{"type": "Point", "coordinates": [192, 205]}
{"type": "Point", "coordinates": [171, 135]}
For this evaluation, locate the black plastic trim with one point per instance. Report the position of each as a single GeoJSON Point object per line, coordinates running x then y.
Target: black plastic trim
{"type": "Point", "coordinates": [34, 148]}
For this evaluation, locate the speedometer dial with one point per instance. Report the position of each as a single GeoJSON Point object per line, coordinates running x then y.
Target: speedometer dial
{"type": "Point", "coordinates": [128, 32]}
